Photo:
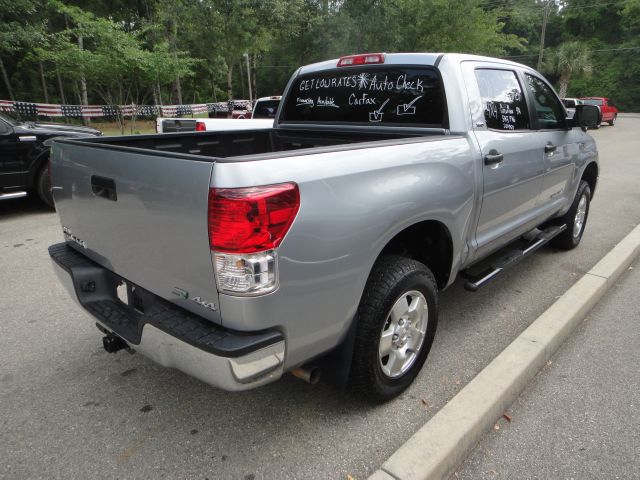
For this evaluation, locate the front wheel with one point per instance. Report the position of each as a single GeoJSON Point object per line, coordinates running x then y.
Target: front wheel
{"type": "Point", "coordinates": [396, 323]}
{"type": "Point", "coordinates": [575, 219]}
{"type": "Point", "coordinates": [43, 186]}
{"type": "Point", "coordinates": [612, 122]}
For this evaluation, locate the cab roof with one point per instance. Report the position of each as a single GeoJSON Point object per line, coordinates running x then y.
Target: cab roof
{"type": "Point", "coordinates": [432, 59]}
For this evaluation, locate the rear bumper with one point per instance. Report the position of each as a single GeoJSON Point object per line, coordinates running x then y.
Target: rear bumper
{"type": "Point", "coordinates": [167, 334]}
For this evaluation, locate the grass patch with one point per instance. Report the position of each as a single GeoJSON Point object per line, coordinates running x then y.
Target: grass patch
{"type": "Point", "coordinates": [139, 127]}
{"type": "Point", "coordinates": [130, 128]}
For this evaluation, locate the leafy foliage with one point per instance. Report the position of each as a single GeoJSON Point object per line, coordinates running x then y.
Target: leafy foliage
{"type": "Point", "coordinates": [168, 51]}
{"type": "Point", "coordinates": [572, 58]}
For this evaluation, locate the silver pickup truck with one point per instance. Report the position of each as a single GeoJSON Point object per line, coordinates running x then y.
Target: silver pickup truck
{"type": "Point", "coordinates": [319, 246]}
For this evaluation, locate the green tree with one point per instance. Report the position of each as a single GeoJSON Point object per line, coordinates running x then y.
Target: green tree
{"type": "Point", "coordinates": [572, 58]}
{"type": "Point", "coordinates": [439, 25]}
{"type": "Point", "coordinates": [20, 30]}
{"type": "Point", "coordinates": [612, 32]}
{"type": "Point", "coordinates": [112, 60]}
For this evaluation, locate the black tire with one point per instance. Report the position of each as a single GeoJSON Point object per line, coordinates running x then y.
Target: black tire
{"type": "Point", "coordinates": [392, 279]}
{"type": "Point", "coordinates": [612, 122]}
{"type": "Point", "coordinates": [43, 186]}
{"type": "Point", "coordinates": [570, 238]}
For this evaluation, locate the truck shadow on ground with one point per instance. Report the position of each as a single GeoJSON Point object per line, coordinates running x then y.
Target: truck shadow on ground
{"type": "Point", "coordinates": [29, 205]}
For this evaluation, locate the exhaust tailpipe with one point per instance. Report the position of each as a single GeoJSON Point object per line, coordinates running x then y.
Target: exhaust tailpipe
{"type": "Point", "coordinates": [308, 374]}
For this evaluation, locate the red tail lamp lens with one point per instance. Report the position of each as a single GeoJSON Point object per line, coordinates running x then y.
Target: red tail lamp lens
{"type": "Point", "coordinates": [201, 127]}
{"type": "Point", "coordinates": [253, 219]}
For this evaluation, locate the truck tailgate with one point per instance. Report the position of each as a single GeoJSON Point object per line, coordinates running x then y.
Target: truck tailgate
{"type": "Point", "coordinates": [141, 215]}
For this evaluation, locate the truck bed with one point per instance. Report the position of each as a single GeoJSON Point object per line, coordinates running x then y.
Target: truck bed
{"type": "Point", "coordinates": [232, 144]}
{"type": "Point", "coordinates": [135, 205]}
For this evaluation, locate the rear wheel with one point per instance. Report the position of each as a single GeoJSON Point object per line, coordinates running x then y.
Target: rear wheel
{"type": "Point", "coordinates": [612, 122]}
{"type": "Point", "coordinates": [575, 219]}
{"type": "Point", "coordinates": [43, 186]}
{"type": "Point", "coordinates": [396, 323]}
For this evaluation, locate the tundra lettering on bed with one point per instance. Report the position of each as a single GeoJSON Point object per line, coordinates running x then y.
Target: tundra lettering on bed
{"type": "Point", "coordinates": [319, 245]}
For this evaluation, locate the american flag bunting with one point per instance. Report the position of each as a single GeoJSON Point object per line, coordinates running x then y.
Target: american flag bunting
{"type": "Point", "coordinates": [111, 111]}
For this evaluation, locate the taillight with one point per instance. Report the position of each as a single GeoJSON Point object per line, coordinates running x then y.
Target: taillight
{"type": "Point", "coordinates": [201, 127]}
{"type": "Point", "coordinates": [364, 59]}
{"type": "Point", "coordinates": [246, 225]}
{"type": "Point", "coordinates": [247, 220]}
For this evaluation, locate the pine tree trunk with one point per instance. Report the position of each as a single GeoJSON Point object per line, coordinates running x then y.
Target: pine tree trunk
{"type": "Point", "coordinates": [254, 61]}
{"type": "Point", "coordinates": [83, 91]}
{"type": "Point", "coordinates": [155, 95]}
{"type": "Point", "coordinates": [244, 93]}
{"type": "Point", "coordinates": [76, 90]}
{"type": "Point", "coordinates": [229, 81]}
{"type": "Point", "coordinates": [84, 99]}
{"type": "Point", "coordinates": [7, 83]}
{"type": "Point", "coordinates": [177, 87]}
{"type": "Point", "coordinates": [545, 18]}
{"type": "Point", "coordinates": [60, 86]}
{"type": "Point", "coordinates": [44, 83]}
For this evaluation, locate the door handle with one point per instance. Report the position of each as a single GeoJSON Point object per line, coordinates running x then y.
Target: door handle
{"type": "Point", "coordinates": [493, 157]}
{"type": "Point", "coordinates": [549, 148]}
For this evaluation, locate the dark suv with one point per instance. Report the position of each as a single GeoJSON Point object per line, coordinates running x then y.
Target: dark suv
{"type": "Point", "coordinates": [24, 155]}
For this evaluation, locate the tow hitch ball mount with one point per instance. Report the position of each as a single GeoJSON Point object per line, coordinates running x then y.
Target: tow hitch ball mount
{"type": "Point", "coordinates": [112, 343]}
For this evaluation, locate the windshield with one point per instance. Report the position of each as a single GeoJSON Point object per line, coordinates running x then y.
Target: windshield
{"type": "Point", "coordinates": [266, 109]}
{"type": "Point", "coordinates": [379, 94]}
{"type": "Point", "coordinates": [9, 120]}
{"type": "Point", "coordinates": [592, 102]}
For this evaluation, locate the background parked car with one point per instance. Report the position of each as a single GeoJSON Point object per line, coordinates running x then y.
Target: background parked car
{"type": "Point", "coordinates": [266, 107]}
{"type": "Point", "coordinates": [570, 105]}
{"type": "Point", "coordinates": [24, 155]}
{"type": "Point", "coordinates": [608, 109]}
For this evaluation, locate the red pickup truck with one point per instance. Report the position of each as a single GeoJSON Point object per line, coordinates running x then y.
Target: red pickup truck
{"type": "Point", "coordinates": [609, 110]}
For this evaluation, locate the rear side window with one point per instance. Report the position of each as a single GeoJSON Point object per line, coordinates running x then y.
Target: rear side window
{"type": "Point", "coordinates": [266, 109]}
{"type": "Point", "coordinates": [548, 111]}
{"type": "Point", "coordinates": [504, 104]}
{"type": "Point", "coordinates": [368, 95]}
{"type": "Point", "coordinates": [594, 101]}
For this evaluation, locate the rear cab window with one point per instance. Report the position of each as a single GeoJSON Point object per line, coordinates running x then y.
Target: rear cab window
{"type": "Point", "coordinates": [368, 95]}
{"type": "Point", "coordinates": [266, 109]}
{"type": "Point", "coordinates": [592, 101]}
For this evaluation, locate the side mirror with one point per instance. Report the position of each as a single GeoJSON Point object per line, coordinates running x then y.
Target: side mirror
{"type": "Point", "coordinates": [586, 116]}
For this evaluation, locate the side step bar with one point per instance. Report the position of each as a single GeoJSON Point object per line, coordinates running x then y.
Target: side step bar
{"type": "Point", "coordinates": [510, 258]}
{"type": "Point", "coordinates": [9, 196]}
